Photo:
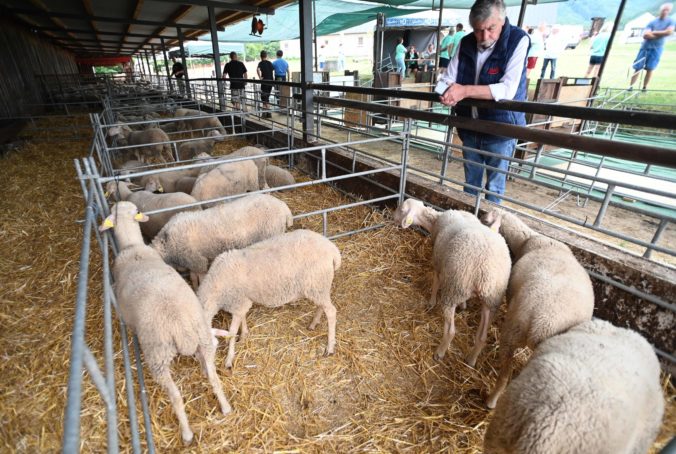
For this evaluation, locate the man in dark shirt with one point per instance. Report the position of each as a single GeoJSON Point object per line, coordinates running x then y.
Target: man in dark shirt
{"type": "Point", "coordinates": [178, 72]}
{"type": "Point", "coordinates": [235, 69]}
{"type": "Point", "coordinates": [265, 72]}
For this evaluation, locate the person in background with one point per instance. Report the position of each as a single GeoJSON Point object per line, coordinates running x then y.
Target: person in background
{"type": "Point", "coordinates": [653, 43]}
{"type": "Point", "coordinates": [455, 44]}
{"type": "Point", "coordinates": [490, 64]}
{"type": "Point", "coordinates": [235, 69]}
{"type": "Point", "coordinates": [537, 47]}
{"type": "Point", "coordinates": [341, 59]}
{"type": "Point", "coordinates": [399, 53]}
{"type": "Point", "coordinates": [265, 72]}
{"type": "Point", "coordinates": [428, 57]}
{"type": "Point", "coordinates": [411, 58]}
{"type": "Point", "coordinates": [554, 45]}
{"type": "Point", "coordinates": [599, 43]}
{"type": "Point", "coordinates": [444, 56]}
{"type": "Point", "coordinates": [281, 67]}
{"type": "Point", "coordinates": [178, 72]}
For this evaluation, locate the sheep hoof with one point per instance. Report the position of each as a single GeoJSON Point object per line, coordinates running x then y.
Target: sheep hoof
{"type": "Point", "coordinates": [187, 438]}
{"type": "Point", "coordinates": [226, 409]}
{"type": "Point", "coordinates": [438, 356]}
{"type": "Point", "coordinates": [471, 362]}
{"type": "Point", "coordinates": [312, 326]}
{"type": "Point", "coordinates": [328, 352]}
{"type": "Point", "coordinates": [491, 402]}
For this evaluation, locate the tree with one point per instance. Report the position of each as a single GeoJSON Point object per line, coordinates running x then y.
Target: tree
{"type": "Point", "coordinates": [253, 50]}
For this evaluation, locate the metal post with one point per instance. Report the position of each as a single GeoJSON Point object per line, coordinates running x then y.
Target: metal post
{"type": "Point", "coordinates": [604, 206]}
{"type": "Point", "coordinates": [217, 57]}
{"type": "Point", "coordinates": [185, 64]}
{"type": "Point", "coordinates": [157, 74]}
{"type": "Point", "coordinates": [305, 20]}
{"type": "Point", "coordinates": [166, 64]}
{"type": "Point", "coordinates": [404, 159]}
{"type": "Point", "coordinates": [620, 10]}
{"type": "Point", "coordinates": [314, 33]}
{"type": "Point", "coordinates": [522, 13]}
{"type": "Point", "coordinates": [436, 56]}
{"type": "Point", "coordinates": [447, 151]}
{"type": "Point", "coordinates": [150, 72]}
{"type": "Point", "coordinates": [658, 233]}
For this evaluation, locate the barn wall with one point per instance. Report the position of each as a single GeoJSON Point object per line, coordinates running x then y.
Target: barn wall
{"type": "Point", "coordinates": [24, 55]}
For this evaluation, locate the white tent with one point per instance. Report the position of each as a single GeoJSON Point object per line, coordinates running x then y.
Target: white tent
{"type": "Point", "coordinates": [633, 31]}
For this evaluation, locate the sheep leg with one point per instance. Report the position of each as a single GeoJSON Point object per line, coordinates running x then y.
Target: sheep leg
{"type": "Point", "coordinates": [195, 280]}
{"type": "Point", "coordinates": [330, 311]}
{"type": "Point", "coordinates": [317, 318]}
{"type": "Point", "coordinates": [506, 365]}
{"type": "Point", "coordinates": [435, 290]}
{"type": "Point", "coordinates": [449, 332]}
{"type": "Point", "coordinates": [163, 377]}
{"type": "Point", "coordinates": [245, 330]}
{"type": "Point", "coordinates": [234, 328]}
{"type": "Point", "coordinates": [481, 335]}
{"type": "Point", "coordinates": [207, 355]}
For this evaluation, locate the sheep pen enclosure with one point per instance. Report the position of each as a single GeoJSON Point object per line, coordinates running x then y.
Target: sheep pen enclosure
{"type": "Point", "coordinates": [381, 391]}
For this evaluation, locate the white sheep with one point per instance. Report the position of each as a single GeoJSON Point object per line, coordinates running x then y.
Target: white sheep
{"type": "Point", "coordinates": [185, 184]}
{"type": "Point", "coordinates": [226, 179]}
{"type": "Point", "coordinates": [168, 181]}
{"type": "Point", "coordinates": [192, 148]}
{"type": "Point", "coordinates": [261, 163]}
{"type": "Point", "coordinates": [147, 200]}
{"type": "Point", "coordinates": [161, 309]}
{"type": "Point", "coordinates": [147, 142]}
{"type": "Point", "coordinates": [276, 177]}
{"type": "Point", "coordinates": [469, 260]}
{"type": "Point", "coordinates": [593, 389]}
{"type": "Point", "coordinates": [271, 273]}
{"type": "Point", "coordinates": [191, 240]}
{"type": "Point", "coordinates": [208, 122]}
{"type": "Point", "coordinates": [548, 293]}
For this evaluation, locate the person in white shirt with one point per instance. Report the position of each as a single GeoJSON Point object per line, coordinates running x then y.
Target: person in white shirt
{"type": "Point", "coordinates": [555, 44]}
{"type": "Point", "coordinates": [490, 64]}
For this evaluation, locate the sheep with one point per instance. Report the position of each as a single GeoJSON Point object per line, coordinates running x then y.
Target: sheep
{"type": "Point", "coordinates": [146, 200]}
{"type": "Point", "coordinates": [226, 179]}
{"type": "Point", "coordinates": [548, 292]}
{"type": "Point", "coordinates": [271, 273]}
{"type": "Point", "coordinates": [168, 181]}
{"type": "Point", "coordinates": [276, 176]}
{"type": "Point", "coordinates": [151, 137]}
{"type": "Point", "coordinates": [185, 184]}
{"type": "Point", "coordinates": [188, 150]}
{"type": "Point", "coordinates": [207, 122]}
{"type": "Point", "coordinates": [192, 240]}
{"type": "Point", "coordinates": [593, 389]}
{"type": "Point", "coordinates": [261, 163]}
{"type": "Point", "coordinates": [161, 309]}
{"type": "Point", "coordinates": [469, 260]}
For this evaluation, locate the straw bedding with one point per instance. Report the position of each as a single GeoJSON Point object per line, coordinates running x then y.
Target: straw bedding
{"type": "Point", "coordinates": [381, 391]}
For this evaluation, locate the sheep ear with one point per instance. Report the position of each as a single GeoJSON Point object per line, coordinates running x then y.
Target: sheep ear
{"type": "Point", "coordinates": [108, 223]}
{"type": "Point", "coordinates": [140, 217]}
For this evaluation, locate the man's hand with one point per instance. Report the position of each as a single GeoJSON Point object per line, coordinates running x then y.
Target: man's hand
{"type": "Point", "coordinates": [453, 95]}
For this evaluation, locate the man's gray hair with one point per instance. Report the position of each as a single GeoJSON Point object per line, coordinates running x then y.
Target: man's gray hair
{"type": "Point", "coordinates": [483, 9]}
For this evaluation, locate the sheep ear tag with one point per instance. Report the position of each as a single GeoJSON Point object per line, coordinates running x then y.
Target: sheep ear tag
{"type": "Point", "coordinates": [140, 217]}
{"type": "Point", "coordinates": [107, 224]}
{"type": "Point", "coordinates": [408, 221]}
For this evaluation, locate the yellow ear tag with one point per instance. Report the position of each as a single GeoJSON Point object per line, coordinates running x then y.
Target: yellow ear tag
{"type": "Point", "coordinates": [408, 221]}
{"type": "Point", "coordinates": [138, 217]}
{"type": "Point", "coordinates": [108, 223]}
{"type": "Point", "coordinates": [106, 194]}
{"type": "Point", "coordinates": [495, 228]}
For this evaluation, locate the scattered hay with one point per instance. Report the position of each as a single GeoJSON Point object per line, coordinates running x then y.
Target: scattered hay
{"type": "Point", "coordinates": [381, 391]}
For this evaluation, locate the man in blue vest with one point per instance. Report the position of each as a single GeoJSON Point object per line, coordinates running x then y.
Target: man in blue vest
{"type": "Point", "coordinates": [490, 64]}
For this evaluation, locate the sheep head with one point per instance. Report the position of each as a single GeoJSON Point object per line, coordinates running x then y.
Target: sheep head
{"type": "Point", "coordinates": [216, 135]}
{"type": "Point", "coordinates": [408, 213]}
{"type": "Point", "coordinates": [119, 211]}
{"type": "Point", "coordinates": [493, 219]}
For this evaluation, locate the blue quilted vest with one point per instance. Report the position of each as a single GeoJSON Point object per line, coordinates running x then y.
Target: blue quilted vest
{"type": "Point", "coordinates": [491, 72]}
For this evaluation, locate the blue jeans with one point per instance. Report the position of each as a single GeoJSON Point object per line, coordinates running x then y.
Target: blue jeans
{"type": "Point", "coordinates": [552, 72]}
{"type": "Point", "coordinates": [495, 181]}
{"type": "Point", "coordinates": [401, 66]}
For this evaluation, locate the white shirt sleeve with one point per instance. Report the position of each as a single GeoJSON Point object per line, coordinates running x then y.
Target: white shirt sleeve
{"type": "Point", "coordinates": [509, 83]}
